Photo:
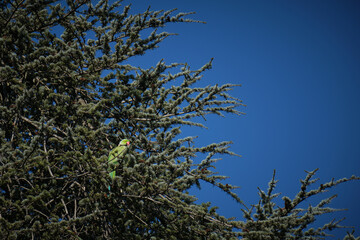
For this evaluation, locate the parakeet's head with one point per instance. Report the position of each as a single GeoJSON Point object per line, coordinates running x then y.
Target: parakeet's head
{"type": "Point", "coordinates": [124, 142]}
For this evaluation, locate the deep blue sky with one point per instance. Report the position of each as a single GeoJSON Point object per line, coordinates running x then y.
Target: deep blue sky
{"type": "Point", "coordinates": [299, 66]}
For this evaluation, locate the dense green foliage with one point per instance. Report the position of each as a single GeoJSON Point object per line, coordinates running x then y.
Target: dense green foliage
{"type": "Point", "coordinates": [67, 97]}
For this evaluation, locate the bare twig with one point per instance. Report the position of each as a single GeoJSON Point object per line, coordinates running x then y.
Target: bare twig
{"type": "Point", "coordinates": [66, 210]}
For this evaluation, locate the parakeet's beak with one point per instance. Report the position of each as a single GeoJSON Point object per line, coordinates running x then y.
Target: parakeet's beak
{"type": "Point", "coordinates": [127, 143]}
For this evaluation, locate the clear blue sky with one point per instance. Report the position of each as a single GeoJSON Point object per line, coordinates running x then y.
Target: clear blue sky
{"type": "Point", "coordinates": [299, 66]}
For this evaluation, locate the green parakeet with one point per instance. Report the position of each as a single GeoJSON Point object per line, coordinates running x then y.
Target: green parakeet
{"type": "Point", "coordinates": [116, 155]}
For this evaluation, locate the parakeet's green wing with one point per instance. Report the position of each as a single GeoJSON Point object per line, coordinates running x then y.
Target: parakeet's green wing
{"type": "Point", "coordinates": [114, 157]}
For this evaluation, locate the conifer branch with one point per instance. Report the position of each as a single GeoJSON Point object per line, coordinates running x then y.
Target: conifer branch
{"type": "Point", "coordinates": [68, 95]}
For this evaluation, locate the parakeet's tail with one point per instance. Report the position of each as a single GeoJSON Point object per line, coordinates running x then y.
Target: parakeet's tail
{"type": "Point", "coordinates": [112, 175]}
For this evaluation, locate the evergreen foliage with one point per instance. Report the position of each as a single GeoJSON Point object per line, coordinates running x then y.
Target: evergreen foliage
{"type": "Point", "coordinates": [68, 97]}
